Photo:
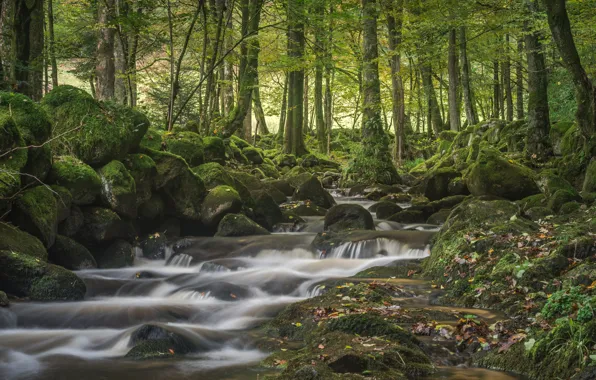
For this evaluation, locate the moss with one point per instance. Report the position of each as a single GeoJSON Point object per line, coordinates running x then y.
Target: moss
{"type": "Point", "coordinates": [95, 132]}
{"type": "Point", "coordinates": [11, 140]}
{"type": "Point", "coordinates": [118, 254]}
{"type": "Point", "coordinates": [101, 225]}
{"type": "Point", "coordinates": [285, 160]}
{"type": "Point", "coordinates": [560, 197]}
{"type": "Point", "coordinates": [31, 119]}
{"type": "Point", "coordinates": [253, 154]}
{"type": "Point", "coordinates": [183, 196]}
{"type": "Point", "coordinates": [371, 164]}
{"type": "Point", "coordinates": [153, 139]}
{"type": "Point", "coordinates": [312, 190]}
{"type": "Point", "coordinates": [168, 166]}
{"type": "Point", "coordinates": [571, 142]}
{"type": "Point", "coordinates": [80, 179]}
{"type": "Point", "coordinates": [537, 200]}
{"type": "Point", "coordinates": [36, 212]}
{"type": "Point", "coordinates": [13, 239]}
{"type": "Point", "coordinates": [589, 184]}
{"type": "Point", "coordinates": [239, 225]}
{"type": "Point", "coordinates": [213, 174]}
{"type": "Point", "coordinates": [220, 201]}
{"type": "Point", "coordinates": [73, 222]}
{"type": "Point", "coordinates": [39, 164]}
{"type": "Point", "coordinates": [9, 186]}
{"type": "Point", "coordinates": [71, 255]}
{"type": "Point", "coordinates": [569, 208]}
{"type": "Point", "coordinates": [269, 170]}
{"type": "Point", "coordinates": [143, 170]}
{"type": "Point", "coordinates": [18, 271]}
{"type": "Point", "coordinates": [549, 183]}
{"type": "Point", "coordinates": [250, 181]}
{"type": "Point", "coordinates": [214, 149]}
{"type": "Point", "coordinates": [188, 145]}
{"type": "Point", "coordinates": [152, 209]}
{"type": "Point", "coordinates": [118, 189]}
{"type": "Point", "coordinates": [63, 201]}
{"type": "Point", "coordinates": [58, 284]}
{"type": "Point", "coordinates": [240, 143]}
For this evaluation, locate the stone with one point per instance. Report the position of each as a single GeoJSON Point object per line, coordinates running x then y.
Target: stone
{"type": "Point", "coordinates": [267, 212]}
{"type": "Point", "coordinates": [213, 174]}
{"type": "Point", "coordinates": [143, 170]}
{"type": "Point", "coordinates": [313, 190]}
{"type": "Point", "coordinates": [253, 155]}
{"type": "Point", "coordinates": [436, 183]}
{"type": "Point", "coordinates": [118, 254]}
{"type": "Point", "coordinates": [36, 212]}
{"type": "Point", "coordinates": [220, 201]}
{"type": "Point", "coordinates": [71, 255]}
{"type": "Point", "coordinates": [188, 145]}
{"type": "Point", "coordinates": [214, 149]}
{"type": "Point", "coordinates": [77, 177]}
{"type": "Point", "coordinates": [589, 185]}
{"type": "Point", "coordinates": [101, 225]}
{"type": "Point", "coordinates": [408, 216]}
{"type": "Point", "coordinates": [348, 216]}
{"type": "Point", "coordinates": [118, 189]}
{"type": "Point", "coordinates": [385, 209]}
{"type": "Point", "coordinates": [239, 225]}
{"type": "Point", "coordinates": [13, 239]}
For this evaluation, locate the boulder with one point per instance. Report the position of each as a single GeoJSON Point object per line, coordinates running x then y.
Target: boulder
{"type": "Point", "coordinates": [556, 133]}
{"type": "Point", "coordinates": [457, 186]}
{"type": "Point", "coordinates": [13, 239]}
{"type": "Point", "coordinates": [188, 145]}
{"type": "Point", "coordinates": [288, 160]}
{"type": "Point", "coordinates": [309, 161]}
{"type": "Point", "coordinates": [153, 342]}
{"type": "Point", "coordinates": [569, 208]}
{"type": "Point", "coordinates": [276, 194]}
{"type": "Point", "coordinates": [397, 198]}
{"type": "Point", "coordinates": [589, 185]}
{"type": "Point", "coordinates": [283, 186]}
{"type": "Point", "coordinates": [39, 164]}
{"type": "Point", "coordinates": [80, 179]}
{"type": "Point", "coordinates": [154, 246]}
{"type": "Point", "coordinates": [36, 212]}
{"type": "Point", "coordinates": [305, 208]}
{"type": "Point", "coordinates": [73, 222]}
{"type": "Point", "coordinates": [493, 175]}
{"type": "Point", "coordinates": [436, 183]}
{"type": "Point", "coordinates": [538, 212]}
{"type": "Point", "coordinates": [296, 180]}
{"type": "Point", "coordinates": [214, 149]}
{"type": "Point", "coordinates": [560, 197]}
{"type": "Point", "coordinates": [266, 211]}
{"type": "Point", "coordinates": [153, 139]}
{"type": "Point", "coordinates": [118, 254]}
{"type": "Point", "coordinates": [3, 303]}
{"type": "Point", "coordinates": [385, 209]}
{"type": "Point", "coordinates": [233, 152]}
{"type": "Point", "coordinates": [549, 183]}
{"type": "Point", "coordinates": [253, 155]}
{"type": "Point", "coordinates": [25, 276]}
{"type": "Point", "coordinates": [70, 254]}
{"type": "Point", "coordinates": [154, 208]}
{"type": "Point", "coordinates": [213, 174]}
{"type": "Point", "coordinates": [63, 201]}
{"type": "Point", "coordinates": [101, 226]}
{"type": "Point", "coordinates": [93, 131]}
{"type": "Point", "coordinates": [250, 181]}
{"type": "Point", "coordinates": [143, 170]}
{"type": "Point", "coordinates": [239, 225]}
{"type": "Point", "coordinates": [118, 189]}
{"type": "Point", "coordinates": [408, 216]}
{"type": "Point", "coordinates": [348, 217]}
{"type": "Point", "coordinates": [537, 200]}
{"type": "Point", "coordinates": [313, 190]}
{"type": "Point", "coordinates": [439, 217]}
{"type": "Point", "coordinates": [269, 170]}
{"type": "Point", "coordinates": [220, 201]}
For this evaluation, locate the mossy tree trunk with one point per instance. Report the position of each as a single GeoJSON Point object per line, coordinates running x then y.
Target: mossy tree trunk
{"type": "Point", "coordinates": [51, 41]}
{"type": "Point", "coordinates": [105, 70]}
{"type": "Point", "coordinates": [394, 26]}
{"type": "Point", "coordinates": [318, 18]}
{"type": "Point", "coordinates": [537, 142]}
{"type": "Point", "coordinates": [585, 91]}
{"type": "Point", "coordinates": [259, 112]}
{"type": "Point", "coordinates": [470, 107]}
{"type": "Point", "coordinates": [507, 81]}
{"type": "Point", "coordinates": [496, 90]}
{"type": "Point", "coordinates": [453, 69]}
{"type": "Point", "coordinates": [284, 111]}
{"type": "Point", "coordinates": [519, 79]}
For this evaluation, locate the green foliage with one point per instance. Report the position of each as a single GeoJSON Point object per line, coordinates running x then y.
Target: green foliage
{"type": "Point", "coordinates": [572, 303]}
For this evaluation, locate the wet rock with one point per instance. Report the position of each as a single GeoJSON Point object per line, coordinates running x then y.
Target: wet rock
{"type": "Point", "coordinates": [72, 224]}
{"type": "Point", "coordinates": [448, 202]}
{"type": "Point", "coordinates": [408, 216]}
{"type": "Point", "coordinates": [493, 175]}
{"type": "Point", "coordinates": [80, 179]}
{"type": "Point", "coordinates": [267, 212]}
{"type": "Point", "coordinates": [556, 133]}
{"type": "Point", "coordinates": [154, 246]}
{"type": "Point", "coordinates": [397, 198]}
{"type": "Point", "coordinates": [143, 170]}
{"type": "Point", "coordinates": [439, 217]}
{"type": "Point", "coordinates": [253, 155]}
{"type": "Point", "coordinates": [188, 145]}
{"type": "Point", "coordinates": [118, 190]}
{"type": "Point", "coordinates": [39, 164]}
{"type": "Point", "coordinates": [63, 201]}
{"type": "Point", "coordinates": [385, 209]}
{"type": "Point", "coordinates": [57, 284]}
{"type": "Point", "coordinates": [239, 225]}
{"type": "Point", "coordinates": [313, 190]}
{"type": "Point", "coordinates": [213, 174]}
{"type": "Point", "coordinates": [436, 183]}
{"type": "Point", "coordinates": [214, 149]}
{"type": "Point", "coordinates": [348, 216]}
{"type": "Point", "coordinates": [118, 254]}
{"type": "Point", "coordinates": [305, 209]}
{"type": "Point", "coordinates": [70, 254]}
{"type": "Point", "coordinates": [152, 342]}
{"type": "Point", "coordinates": [283, 186]}
{"type": "Point", "coordinates": [223, 291]}
{"type": "Point", "coordinates": [3, 300]}
{"type": "Point", "coordinates": [220, 201]}
{"type": "Point", "coordinates": [36, 212]}
{"type": "Point", "coordinates": [101, 225]}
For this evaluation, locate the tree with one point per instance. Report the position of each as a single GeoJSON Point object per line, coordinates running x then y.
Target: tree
{"type": "Point", "coordinates": [453, 68]}
{"type": "Point", "coordinates": [105, 70]}
{"type": "Point", "coordinates": [394, 26]}
{"type": "Point", "coordinates": [469, 103]}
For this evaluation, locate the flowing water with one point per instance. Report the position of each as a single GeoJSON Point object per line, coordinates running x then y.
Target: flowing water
{"type": "Point", "coordinates": [211, 291]}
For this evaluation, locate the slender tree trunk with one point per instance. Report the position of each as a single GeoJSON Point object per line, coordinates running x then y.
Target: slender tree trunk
{"type": "Point", "coordinates": [434, 111]}
{"type": "Point", "coordinates": [329, 73]}
{"type": "Point", "coordinates": [319, 116]}
{"type": "Point", "coordinates": [519, 79]}
{"type": "Point", "coordinates": [228, 64]}
{"type": "Point", "coordinates": [52, 48]}
{"type": "Point", "coordinates": [284, 110]}
{"type": "Point", "coordinates": [507, 80]}
{"type": "Point", "coordinates": [258, 110]}
{"type": "Point", "coordinates": [496, 90]}
{"type": "Point", "coordinates": [247, 123]}
{"type": "Point", "coordinates": [537, 142]}
{"type": "Point", "coordinates": [305, 121]}
{"type": "Point", "coordinates": [105, 70]}
{"type": "Point", "coordinates": [453, 68]}
{"type": "Point", "coordinates": [470, 107]}
{"type": "Point", "coordinates": [585, 91]}
{"type": "Point", "coordinates": [394, 25]}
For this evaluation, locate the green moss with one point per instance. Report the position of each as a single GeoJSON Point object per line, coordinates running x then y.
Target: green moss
{"type": "Point", "coordinates": [11, 140]}
{"type": "Point", "coordinates": [371, 164]}
{"type": "Point", "coordinates": [153, 139]}
{"type": "Point", "coordinates": [80, 179]}
{"type": "Point", "coordinates": [248, 180]}
{"type": "Point", "coordinates": [213, 174]}
{"type": "Point", "coordinates": [571, 142]}
{"type": "Point", "coordinates": [239, 225]}
{"type": "Point", "coordinates": [31, 119]}
{"type": "Point", "coordinates": [215, 150]}
{"type": "Point", "coordinates": [13, 239]}
{"type": "Point", "coordinates": [590, 178]}
{"type": "Point", "coordinates": [240, 143]}
{"type": "Point", "coordinates": [269, 170]}
{"type": "Point", "coordinates": [143, 170]}
{"type": "Point", "coordinates": [253, 154]}
{"type": "Point", "coordinates": [18, 271]}
{"type": "Point", "coordinates": [549, 183]}
{"type": "Point", "coordinates": [188, 145]}
{"type": "Point", "coordinates": [560, 197]}
{"type": "Point", "coordinates": [285, 160]}
{"type": "Point", "coordinates": [36, 212]}
{"type": "Point", "coordinates": [71, 255]}
{"type": "Point", "coordinates": [537, 200]}
{"type": "Point", "coordinates": [220, 201]}
{"type": "Point", "coordinates": [118, 189]}
{"type": "Point", "coordinates": [58, 284]}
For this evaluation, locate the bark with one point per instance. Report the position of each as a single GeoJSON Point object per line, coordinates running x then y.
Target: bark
{"type": "Point", "coordinates": [121, 67]}
{"type": "Point", "coordinates": [470, 107]}
{"type": "Point", "coordinates": [51, 40]}
{"type": "Point", "coordinates": [283, 111]}
{"type": "Point", "coordinates": [537, 142]}
{"type": "Point", "coordinates": [228, 88]}
{"type": "Point", "coordinates": [320, 55]}
{"type": "Point", "coordinates": [507, 81]}
{"type": "Point", "coordinates": [328, 100]}
{"type": "Point", "coordinates": [435, 119]}
{"type": "Point", "coordinates": [394, 25]}
{"type": "Point", "coordinates": [105, 70]}
{"type": "Point", "coordinates": [247, 123]}
{"type": "Point", "coordinates": [258, 110]}
{"type": "Point", "coordinates": [585, 91]}
{"type": "Point", "coordinates": [519, 79]}
{"type": "Point", "coordinates": [496, 90]}
{"type": "Point", "coordinates": [453, 68]}
{"type": "Point", "coordinates": [306, 105]}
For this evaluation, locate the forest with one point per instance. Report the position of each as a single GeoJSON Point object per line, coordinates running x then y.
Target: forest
{"type": "Point", "coordinates": [298, 189]}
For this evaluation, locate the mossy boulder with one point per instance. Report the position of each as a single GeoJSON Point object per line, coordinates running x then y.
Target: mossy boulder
{"type": "Point", "coordinates": [73, 222]}
{"type": "Point", "coordinates": [298, 179]}
{"type": "Point", "coordinates": [312, 190]}
{"type": "Point", "coordinates": [71, 255]}
{"type": "Point", "coordinates": [188, 145]}
{"type": "Point", "coordinates": [436, 183]}
{"type": "Point", "coordinates": [13, 239]}
{"type": "Point", "coordinates": [253, 154]}
{"type": "Point", "coordinates": [285, 160]}
{"type": "Point", "coordinates": [154, 246]}
{"type": "Point", "coordinates": [155, 342]}
{"type": "Point", "coordinates": [549, 183]}
{"type": "Point", "coordinates": [213, 175]}
{"type": "Point", "coordinates": [589, 185]}
{"type": "Point", "coordinates": [143, 170]}
{"type": "Point", "coordinates": [80, 179]}
{"type": "Point", "coordinates": [569, 208]}
{"type": "Point", "coordinates": [95, 132]}
{"type": "Point", "coordinates": [560, 197]}
{"type": "Point", "coordinates": [348, 217]}
{"type": "Point", "coordinates": [30, 118]}
{"type": "Point", "coordinates": [537, 213]}
{"type": "Point", "coordinates": [239, 225]}
{"type": "Point", "coordinates": [457, 186]}
{"type": "Point", "coordinates": [283, 186]}
{"type": "Point", "coordinates": [408, 216]}
{"type": "Point", "coordinates": [572, 141]}
{"type": "Point", "coordinates": [26, 276]}
{"type": "Point", "coordinates": [556, 133]}
{"type": "Point", "coordinates": [214, 149]}
{"type": "Point", "coordinates": [118, 254]}
{"type": "Point", "coordinates": [305, 208]}
{"type": "Point", "coordinates": [152, 209]}
{"type": "Point", "coordinates": [493, 175]}
{"type": "Point", "coordinates": [275, 193]}
{"type": "Point", "coordinates": [4, 302]}
{"type": "Point", "coordinates": [269, 170]}
{"type": "Point", "coordinates": [153, 139]}
{"type": "Point", "coordinates": [36, 212]}
{"type": "Point", "coordinates": [537, 200]}
{"type": "Point", "coordinates": [266, 211]}
{"type": "Point", "coordinates": [220, 201]}
{"type": "Point", "coordinates": [39, 164]}
{"type": "Point", "coordinates": [118, 189]}
{"type": "Point", "coordinates": [63, 201]}
{"type": "Point", "coordinates": [13, 160]}
{"type": "Point", "coordinates": [439, 217]}
{"type": "Point", "coordinates": [101, 225]}
{"type": "Point", "coordinates": [385, 209]}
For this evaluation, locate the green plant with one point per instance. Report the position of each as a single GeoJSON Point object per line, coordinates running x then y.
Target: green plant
{"type": "Point", "coordinates": [564, 303]}
{"type": "Point", "coordinates": [574, 341]}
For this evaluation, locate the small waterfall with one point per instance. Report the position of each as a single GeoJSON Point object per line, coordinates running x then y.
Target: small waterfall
{"type": "Point", "coordinates": [315, 291]}
{"type": "Point", "coordinates": [138, 251]}
{"type": "Point", "coordinates": [367, 249]}
{"type": "Point", "coordinates": [181, 260]}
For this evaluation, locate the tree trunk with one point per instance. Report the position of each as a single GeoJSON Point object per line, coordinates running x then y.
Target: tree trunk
{"type": "Point", "coordinates": [247, 123]}
{"type": "Point", "coordinates": [319, 116]}
{"type": "Point", "coordinates": [585, 91]}
{"type": "Point", "coordinates": [258, 110]}
{"type": "Point", "coordinates": [519, 79]}
{"type": "Point", "coordinates": [328, 100]}
{"type": "Point", "coordinates": [434, 111]}
{"type": "Point", "coordinates": [537, 142]}
{"type": "Point", "coordinates": [394, 25]}
{"type": "Point", "coordinates": [105, 70]}
{"type": "Point", "coordinates": [305, 121]}
{"type": "Point", "coordinates": [228, 87]}
{"type": "Point", "coordinates": [470, 107]}
{"type": "Point", "coordinates": [52, 49]}
{"type": "Point", "coordinates": [283, 112]}
{"type": "Point", "coordinates": [496, 91]}
{"type": "Point", "coordinates": [507, 81]}
{"type": "Point", "coordinates": [454, 118]}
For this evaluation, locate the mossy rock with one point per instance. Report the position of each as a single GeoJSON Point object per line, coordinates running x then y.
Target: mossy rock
{"type": "Point", "coordinates": [275, 193]}
{"type": "Point", "coordinates": [305, 208]}
{"type": "Point", "coordinates": [569, 208]}
{"type": "Point", "coordinates": [80, 179]}
{"type": "Point", "coordinates": [167, 165]}
{"type": "Point", "coordinates": [143, 170]}
{"type": "Point", "coordinates": [436, 183]}
{"type": "Point", "coordinates": [36, 212]}
{"type": "Point", "coordinates": [283, 186]}
{"type": "Point", "coordinates": [153, 139]}
{"type": "Point", "coordinates": [39, 164]}
{"type": "Point", "coordinates": [101, 225]}
{"type": "Point", "coordinates": [183, 196]}
{"type": "Point", "coordinates": [296, 180]}
{"type": "Point", "coordinates": [118, 254]}
{"type": "Point", "coordinates": [11, 141]}
{"type": "Point", "coordinates": [408, 216]}
{"type": "Point", "coordinates": [118, 189]}
{"type": "Point", "coordinates": [220, 201]}
{"type": "Point", "coordinates": [233, 152]}
{"type": "Point", "coordinates": [313, 190]}
{"type": "Point", "coordinates": [589, 185]}
{"type": "Point", "coordinates": [95, 132]}
{"type": "Point", "coordinates": [154, 246]}
{"type": "Point", "coordinates": [269, 170]}
{"type": "Point", "coordinates": [572, 141]}
{"type": "Point", "coordinates": [152, 209]}
{"type": "Point", "coordinates": [251, 182]}
{"type": "Point", "coordinates": [348, 217]}
{"type": "Point", "coordinates": [266, 211]}
{"type": "Point", "coordinates": [549, 183]}
{"type": "Point", "coordinates": [26, 276]}
{"type": "Point", "coordinates": [537, 200]}
{"type": "Point", "coordinates": [556, 133]}
{"type": "Point", "coordinates": [156, 342]}
{"type": "Point", "coordinates": [457, 186]}
{"type": "Point", "coordinates": [385, 209]}
{"type": "Point", "coordinates": [253, 154]}
{"type": "Point", "coordinates": [439, 217]}
{"type": "Point", "coordinates": [188, 145]}
{"type": "Point", "coordinates": [240, 143]}
{"type": "Point", "coordinates": [214, 149]}
{"type": "Point", "coordinates": [71, 255]}
{"type": "Point", "coordinates": [63, 201]}
{"type": "Point", "coordinates": [30, 118]}
{"type": "Point", "coordinates": [4, 302]}
{"type": "Point", "coordinates": [73, 222]}
{"type": "Point", "coordinates": [213, 175]}
{"type": "Point", "coordinates": [560, 197]}
{"type": "Point", "coordinates": [538, 213]}
{"type": "Point", "coordinates": [10, 184]}
{"type": "Point", "coordinates": [285, 160]}
{"type": "Point", "coordinates": [13, 239]}
{"type": "Point", "coordinates": [239, 225]}
{"type": "Point", "coordinates": [493, 175]}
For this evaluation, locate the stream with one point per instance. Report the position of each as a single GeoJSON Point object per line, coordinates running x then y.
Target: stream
{"type": "Point", "coordinates": [211, 291]}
